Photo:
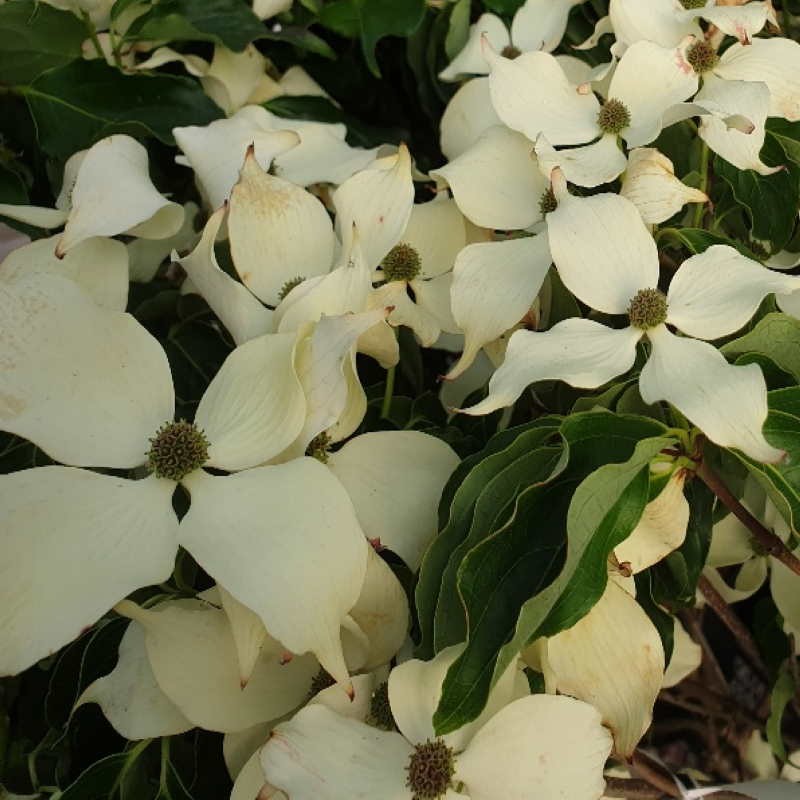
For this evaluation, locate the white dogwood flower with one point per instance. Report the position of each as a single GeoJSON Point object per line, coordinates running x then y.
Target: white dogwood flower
{"type": "Point", "coordinates": [300, 151]}
{"type": "Point", "coordinates": [537, 25]}
{"type": "Point", "coordinates": [667, 22]}
{"type": "Point", "coordinates": [532, 94]}
{"type": "Point", "coordinates": [753, 82]}
{"type": "Point", "coordinates": [106, 190]}
{"type": "Point", "coordinates": [102, 396]}
{"type": "Point", "coordinates": [607, 258]}
{"type": "Point", "coordinates": [516, 747]}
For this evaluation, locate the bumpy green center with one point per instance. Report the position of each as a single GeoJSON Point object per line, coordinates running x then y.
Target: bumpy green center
{"type": "Point", "coordinates": [702, 56]}
{"type": "Point", "coordinates": [509, 51]}
{"type": "Point", "coordinates": [402, 263]}
{"type": "Point", "coordinates": [322, 680]}
{"type": "Point", "coordinates": [693, 3]}
{"type": "Point", "coordinates": [177, 449]}
{"type": "Point", "coordinates": [648, 309]}
{"type": "Point", "coordinates": [430, 770]}
{"type": "Point", "coordinates": [547, 202]}
{"type": "Point", "coordinates": [380, 712]}
{"type": "Point", "coordinates": [318, 447]}
{"type": "Point", "coordinates": [613, 117]}
{"type": "Point", "coordinates": [289, 285]}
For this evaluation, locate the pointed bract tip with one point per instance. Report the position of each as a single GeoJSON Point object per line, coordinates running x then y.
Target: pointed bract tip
{"type": "Point", "coordinates": [243, 683]}
{"type": "Point", "coordinates": [487, 51]}
{"type": "Point", "coordinates": [584, 88]}
{"type": "Point", "coordinates": [286, 657]}
{"type": "Point", "coordinates": [59, 252]}
{"type": "Point", "coordinates": [350, 692]}
{"type": "Point", "coordinates": [251, 151]}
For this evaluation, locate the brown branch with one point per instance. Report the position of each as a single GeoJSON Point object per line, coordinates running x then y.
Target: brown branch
{"type": "Point", "coordinates": [770, 543]}
{"type": "Point", "coordinates": [632, 788]}
{"type": "Point", "coordinates": [726, 615]}
{"type": "Point", "coordinates": [654, 774]}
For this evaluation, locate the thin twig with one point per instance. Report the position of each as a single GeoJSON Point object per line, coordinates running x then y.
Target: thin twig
{"type": "Point", "coordinates": [728, 618]}
{"type": "Point", "coordinates": [771, 544]}
{"type": "Point", "coordinates": [710, 666]}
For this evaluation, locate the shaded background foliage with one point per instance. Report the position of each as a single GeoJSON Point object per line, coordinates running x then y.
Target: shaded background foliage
{"type": "Point", "coordinates": [379, 59]}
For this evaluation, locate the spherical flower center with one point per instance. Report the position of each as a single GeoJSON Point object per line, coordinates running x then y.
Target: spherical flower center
{"type": "Point", "coordinates": [177, 449]}
{"type": "Point", "coordinates": [648, 309]}
{"type": "Point", "coordinates": [702, 56]}
{"type": "Point", "coordinates": [318, 447]}
{"type": "Point", "coordinates": [548, 202]}
{"type": "Point", "coordinates": [509, 51]}
{"type": "Point", "coordinates": [613, 116]}
{"type": "Point", "coordinates": [430, 770]}
{"type": "Point", "coordinates": [380, 712]}
{"type": "Point", "coordinates": [289, 285]}
{"type": "Point", "coordinates": [693, 3]}
{"type": "Point", "coordinates": [402, 263]}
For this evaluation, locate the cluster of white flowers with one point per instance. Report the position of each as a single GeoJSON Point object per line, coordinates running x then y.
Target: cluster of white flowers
{"type": "Point", "coordinates": [300, 654]}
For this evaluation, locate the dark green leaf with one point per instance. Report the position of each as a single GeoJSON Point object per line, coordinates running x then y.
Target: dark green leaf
{"type": "Point", "coordinates": [320, 109]}
{"type": "Point", "coordinates": [226, 22]}
{"type": "Point", "coordinates": [776, 336]}
{"type": "Point", "coordinates": [529, 464]}
{"type": "Point", "coordinates": [662, 621]}
{"type": "Point", "coordinates": [574, 521]}
{"type": "Point", "coordinates": [507, 7]}
{"type": "Point", "coordinates": [341, 16]}
{"type": "Point", "coordinates": [697, 240]}
{"type": "Point", "coordinates": [675, 577]}
{"type": "Point", "coordinates": [788, 135]}
{"type": "Point", "coordinates": [101, 780]}
{"type": "Point", "coordinates": [379, 18]}
{"type": "Point", "coordinates": [76, 105]}
{"type": "Point", "coordinates": [301, 38]}
{"type": "Point", "coordinates": [455, 517]}
{"type": "Point", "coordinates": [781, 429]}
{"type": "Point", "coordinates": [771, 200]}
{"type": "Point", "coordinates": [35, 37]}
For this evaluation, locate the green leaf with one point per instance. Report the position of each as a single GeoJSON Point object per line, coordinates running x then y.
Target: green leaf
{"type": "Point", "coordinates": [341, 16]}
{"type": "Point", "coordinates": [777, 336]}
{"type": "Point", "coordinates": [99, 781]}
{"type": "Point", "coordinates": [320, 109]}
{"type": "Point", "coordinates": [559, 537]}
{"type": "Point", "coordinates": [771, 200]}
{"type": "Point", "coordinates": [503, 6]}
{"type": "Point", "coordinates": [781, 429]}
{"type": "Point", "coordinates": [227, 22]}
{"type": "Point", "coordinates": [76, 105]}
{"type": "Point", "coordinates": [675, 577]}
{"type": "Point", "coordinates": [35, 37]}
{"type": "Point", "coordinates": [698, 240]}
{"type": "Point", "coordinates": [380, 18]}
{"type": "Point", "coordinates": [662, 621]}
{"type": "Point", "coordinates": [458, 29]}
{"type": "Point", "coordinates": [121, 5]}
{"type": "Point", "coordinates": [782, 693]}
{"type": "Point", "coordinates": [529, 465]}
{"type": "Point", "coordinates": [455, 517]}
{"type": "Point", "coordinates": [788, 135]}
